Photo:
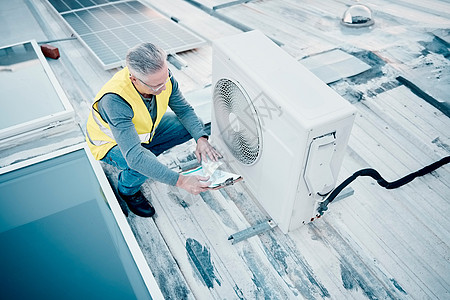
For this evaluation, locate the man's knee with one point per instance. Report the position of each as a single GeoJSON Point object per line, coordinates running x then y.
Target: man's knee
{"type": "Point", "coordinates": [114, 157]}
{"type": "Point", "coordinates": [173, 121]}
{"type": "Point", "coordinates": [172, 126]}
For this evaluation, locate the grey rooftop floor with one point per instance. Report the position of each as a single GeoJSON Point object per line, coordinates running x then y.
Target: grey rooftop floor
{"type": "Point", "coordinates": [375, 244]}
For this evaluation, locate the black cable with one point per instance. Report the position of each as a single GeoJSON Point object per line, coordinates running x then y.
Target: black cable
{"type": "Point", "coordinates": [380, 180]}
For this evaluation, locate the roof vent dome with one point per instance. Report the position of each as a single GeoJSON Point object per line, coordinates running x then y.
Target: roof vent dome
{"type": "Point", "coordinates": [357, 15]}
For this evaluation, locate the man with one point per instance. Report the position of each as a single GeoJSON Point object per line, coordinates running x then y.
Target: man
{"type": "Point", "coordinates": [128, 127]}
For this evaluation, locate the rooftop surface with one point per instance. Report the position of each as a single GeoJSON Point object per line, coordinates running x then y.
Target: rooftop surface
{"type": "Point", "coordinates": [376, 243]}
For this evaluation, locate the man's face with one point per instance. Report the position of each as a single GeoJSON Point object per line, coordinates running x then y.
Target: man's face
{"type": "Point", "coordinates": [153, 84]}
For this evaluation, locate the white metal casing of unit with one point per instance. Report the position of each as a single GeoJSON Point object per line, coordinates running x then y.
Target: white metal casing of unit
{"type": "Point", "coordinates": [304, 127]}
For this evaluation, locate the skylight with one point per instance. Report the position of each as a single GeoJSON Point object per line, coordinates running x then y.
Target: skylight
{"type": "Point", "coordinates": [357, 15]}
{"type": "Point", "coordinates": [63, 234]}
{"type": "Point", "coordinates": [32, 98]}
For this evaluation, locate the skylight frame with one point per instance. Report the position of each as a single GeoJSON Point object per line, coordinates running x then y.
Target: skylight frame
{"type": "Point", "coordinates": [30, 127]}
{"type": "Point", "coordinates": [121, 221]}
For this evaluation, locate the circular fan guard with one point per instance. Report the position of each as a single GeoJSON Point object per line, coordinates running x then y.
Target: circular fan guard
{"type": "Point", "coordinates": [237, 121]}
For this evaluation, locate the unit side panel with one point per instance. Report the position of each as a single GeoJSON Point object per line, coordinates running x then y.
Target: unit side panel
{"type": "Point", "coordinates": [306, 201]}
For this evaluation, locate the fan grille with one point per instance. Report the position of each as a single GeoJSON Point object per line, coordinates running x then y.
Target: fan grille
{"type": "Point", "coordinates": [237, 121]}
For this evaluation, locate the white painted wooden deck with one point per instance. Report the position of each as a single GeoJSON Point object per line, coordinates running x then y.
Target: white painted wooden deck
{"type": "Point", "coordinates": [375, 244]}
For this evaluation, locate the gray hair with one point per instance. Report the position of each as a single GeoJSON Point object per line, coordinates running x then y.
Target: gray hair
{"type": "Point", "coordinates": [145, 59]}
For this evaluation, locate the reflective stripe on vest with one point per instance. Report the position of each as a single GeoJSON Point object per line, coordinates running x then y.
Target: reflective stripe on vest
{"type": "Point", "coordinates": [144, 137]}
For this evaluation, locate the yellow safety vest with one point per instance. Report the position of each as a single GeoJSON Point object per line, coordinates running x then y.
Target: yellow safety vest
{"type": "Point", "coordinates": [98, 133]}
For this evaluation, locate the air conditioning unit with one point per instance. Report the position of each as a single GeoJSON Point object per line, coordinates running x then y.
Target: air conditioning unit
{"type": "Point", "coordinates": [277, 125]}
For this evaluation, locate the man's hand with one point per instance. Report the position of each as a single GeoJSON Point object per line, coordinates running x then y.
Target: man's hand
{"type": "Point", "coordinates": [193, 184]}
{"type": "Point", "coordinates": [204, 149]}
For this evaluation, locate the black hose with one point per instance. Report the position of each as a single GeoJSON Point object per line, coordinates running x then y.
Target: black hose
{"type": "Point", "coordinates": [381, 181]}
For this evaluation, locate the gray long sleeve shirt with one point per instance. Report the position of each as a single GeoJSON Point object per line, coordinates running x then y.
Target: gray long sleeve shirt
{"type": "Point", "coordinates": [118, 114]}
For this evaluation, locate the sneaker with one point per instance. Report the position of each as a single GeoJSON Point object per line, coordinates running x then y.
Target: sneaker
{"type": "Point", "coordinates": [138, 204]}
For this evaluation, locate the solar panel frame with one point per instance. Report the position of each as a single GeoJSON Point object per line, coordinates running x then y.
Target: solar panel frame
{"type": "Point", "coordinates": [69, 5]}
{"type": "Point", "coordinates": [108, 28]}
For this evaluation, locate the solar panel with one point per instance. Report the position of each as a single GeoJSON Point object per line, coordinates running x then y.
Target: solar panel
{"type": "Point", "coordinates": [68, 5]}
{"type": "Point", "coordinates": [110, 28]}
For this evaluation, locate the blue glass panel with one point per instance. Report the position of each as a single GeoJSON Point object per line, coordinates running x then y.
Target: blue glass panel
{"type": "Point", "coordinates": [90, 20]}
{"type": "Point", "coordinates": [126, 36]}
{"type": "Point", "coordinates": [108, 20]}
{"type": "Point", "coordinates": [58, 237]}
{"type": "Point", "coordinates": [118, 15]}
{"type": "Point", "coordinates": [76, 23]}
{"type": "Point", "coordinates": [104, 53]}
{"type": "Point", "coordinates": [86, 3]}
{"type": "Point", "coordinates": [73, 4]}
{"type": "Point", "coordinates": [59, 5]}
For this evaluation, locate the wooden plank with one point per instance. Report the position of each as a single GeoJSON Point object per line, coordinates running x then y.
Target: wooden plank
{"type": "Point", "coordinates": [432, 13]}
{"type": "Point", "coordinates": [276, 266]}
{"type": "Point", "coordinates": [396, 238]}
{"type": "Point", "coordinates": [281, 252]}
{"type": "Point", "coordinates": [196, 228]}
{"type": "Point", "coordinates": [420, 114]}
{"type": "Point", "coordinates": [272, 21]}
{"type": "Point", "coordinates": [208, 221]}
{"type": "Point", "coordinates": [159, 258]}
{"type": "Point", "coordinates": [198, 72]}
{"type": "Point", "coordinates": [397, 123]}
{"type": "Point", "coordinates": [399, 139]}
{"type": "Point", "coordinates": [391, 235]}
{"type": "Point", "coordinates": [411, 154]}
{"type": "Point", "coordinates": [413, 206]}
{"type": "Point", "coordinates": [170, 280]}
{"type": "Point", "coordinates": [388, 165]}
{"type": "Point", "coordinates": [374, 118]}
{"type": "Point", "coordinates": [426, 232]}
{"type": "Point", "coordinates": [294, 263]}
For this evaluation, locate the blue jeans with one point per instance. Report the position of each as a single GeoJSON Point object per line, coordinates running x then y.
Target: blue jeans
{"type": "Point", "coordinates": [169, 133]}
